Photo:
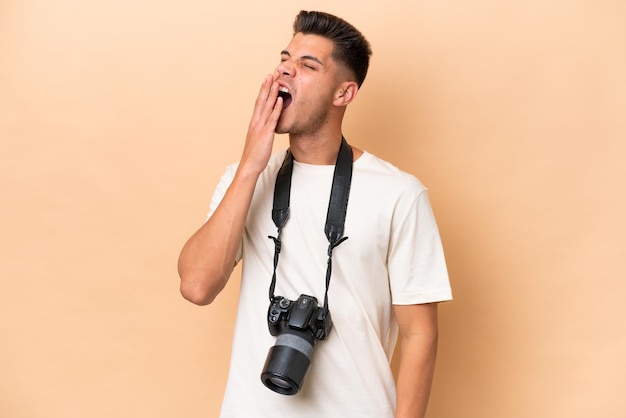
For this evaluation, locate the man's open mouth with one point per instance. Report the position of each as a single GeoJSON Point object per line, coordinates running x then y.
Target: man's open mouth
{"type": "Point", "coordinates": [286, 95]}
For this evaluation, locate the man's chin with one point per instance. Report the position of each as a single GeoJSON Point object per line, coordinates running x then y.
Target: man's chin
{"type": "Point", "coordinates": [281, 128]}
{"type": "Point", "coordinates": [281, 131]}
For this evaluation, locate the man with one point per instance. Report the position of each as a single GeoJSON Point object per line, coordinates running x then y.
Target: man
{"type": "Point", "coordinates": [387, 277]}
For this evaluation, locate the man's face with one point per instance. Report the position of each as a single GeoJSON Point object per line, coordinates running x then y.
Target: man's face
{"type": "Point", "coordinates": [308, 79]}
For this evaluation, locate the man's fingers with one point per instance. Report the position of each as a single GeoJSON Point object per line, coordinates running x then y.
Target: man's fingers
{"type": "Point", "coordinates": [266, 99]}
{"type": "Point", "coordinates": [271, 98]}
{"type": "Point", "coordinates": [262, 96]}
{"type": "Point", "coordinates": [278, 108]}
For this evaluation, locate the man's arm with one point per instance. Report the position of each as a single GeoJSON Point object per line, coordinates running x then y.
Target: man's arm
{"type": "Point", "coordinates": [208, 258]}
{"type": "Point", "coordinates": [418, 351]}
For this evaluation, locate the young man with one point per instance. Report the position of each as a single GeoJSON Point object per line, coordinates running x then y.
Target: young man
{"type": "Point", "coordinates": [383, 281]}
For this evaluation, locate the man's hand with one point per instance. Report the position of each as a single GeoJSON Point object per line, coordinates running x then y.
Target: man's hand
{"type": "Point", "coordinates": [260, 138]}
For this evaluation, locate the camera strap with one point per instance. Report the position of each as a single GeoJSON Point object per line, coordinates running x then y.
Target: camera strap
{"type": "Point", "coordinates": [335, 217]}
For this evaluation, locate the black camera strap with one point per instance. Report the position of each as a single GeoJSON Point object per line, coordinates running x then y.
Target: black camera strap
{"type": "Point", "coordinates": [337, 208]}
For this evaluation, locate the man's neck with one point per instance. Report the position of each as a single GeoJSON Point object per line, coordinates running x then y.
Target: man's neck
{"type": "Point", "coordinates": [316, 150]}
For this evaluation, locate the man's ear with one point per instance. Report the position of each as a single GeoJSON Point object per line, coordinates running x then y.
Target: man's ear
{"type": "Point", "coordinates": [346, 93]}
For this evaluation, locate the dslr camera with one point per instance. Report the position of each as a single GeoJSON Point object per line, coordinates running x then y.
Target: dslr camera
{"type": "Point", "coordinates": [297, 324]}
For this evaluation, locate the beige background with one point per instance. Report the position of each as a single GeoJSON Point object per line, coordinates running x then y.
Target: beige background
{"type": "Point", "coordinates": [118, 117]}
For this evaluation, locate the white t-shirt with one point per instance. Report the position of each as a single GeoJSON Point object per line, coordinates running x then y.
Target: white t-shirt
{"type": "Point", "coordinates": [393, 256]}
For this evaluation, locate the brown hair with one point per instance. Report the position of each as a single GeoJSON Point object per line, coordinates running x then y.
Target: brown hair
{"type": "Point", "coordinates": [350, 46]}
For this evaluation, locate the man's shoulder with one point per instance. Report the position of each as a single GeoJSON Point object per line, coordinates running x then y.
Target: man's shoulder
{"type": "Point", "coordinates": [375, 170]}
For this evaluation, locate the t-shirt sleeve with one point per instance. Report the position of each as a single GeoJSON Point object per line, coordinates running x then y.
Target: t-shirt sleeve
{"type": "Point", "coordinates": [417, 266]}
{"type": "Point", "coordinates": [218, 195]}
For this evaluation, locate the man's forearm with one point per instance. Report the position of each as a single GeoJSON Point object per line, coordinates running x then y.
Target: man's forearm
{"type": "Point", "coordinates": [415, 375]}
{"type": "Point", "coordinates": [418, 352]}
{"type": "Point", "coordinates": [208, 257]}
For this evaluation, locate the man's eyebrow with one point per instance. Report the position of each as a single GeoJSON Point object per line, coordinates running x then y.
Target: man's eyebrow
{"type": "Point", "coordinates": [304, 57]}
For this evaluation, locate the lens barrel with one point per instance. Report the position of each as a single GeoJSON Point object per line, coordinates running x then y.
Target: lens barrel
{"type": "Point", "coordinates": [288, 361]}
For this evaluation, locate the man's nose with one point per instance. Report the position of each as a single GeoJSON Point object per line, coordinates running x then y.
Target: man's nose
{"type": "Point", "coordinates": [286, 68]}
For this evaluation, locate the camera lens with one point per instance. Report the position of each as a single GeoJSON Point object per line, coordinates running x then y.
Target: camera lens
{"type": "Point", "coordinates": [288, 361]}
{"type": "Point", "coordinates": [279, 382]}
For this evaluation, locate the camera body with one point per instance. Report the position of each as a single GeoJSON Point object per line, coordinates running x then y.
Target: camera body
{"type": "Point", "coordinates": [297, 324]}
{"type": "Point", "coordinates": [302, 314]}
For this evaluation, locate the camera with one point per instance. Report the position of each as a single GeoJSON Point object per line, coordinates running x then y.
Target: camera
{"type": "Point", "coordinates": [297, 324]}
